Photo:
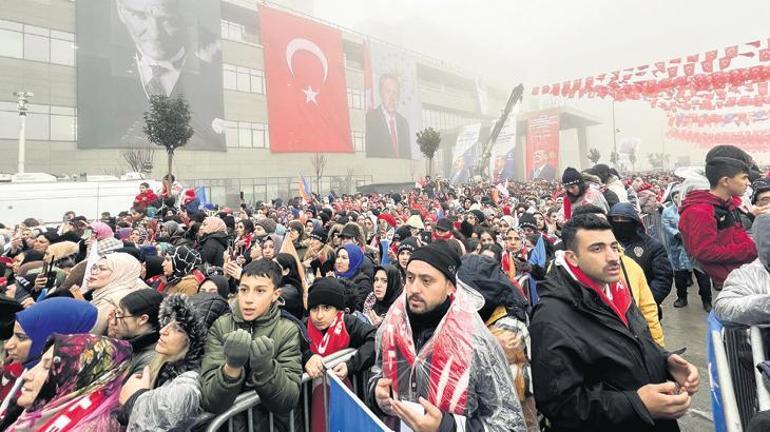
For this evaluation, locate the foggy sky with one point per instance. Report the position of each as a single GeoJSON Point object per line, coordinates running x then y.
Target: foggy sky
{"type": "Point", "coordinates": [539, 42]}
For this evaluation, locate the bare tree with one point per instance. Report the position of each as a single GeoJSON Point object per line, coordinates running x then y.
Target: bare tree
{"type": "Point", "coordinates": [319, 163]}
{"type": "Point", "coordinates": [139, 159]}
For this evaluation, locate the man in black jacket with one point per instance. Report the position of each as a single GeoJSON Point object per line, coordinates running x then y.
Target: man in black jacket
{"type": "Point", "coordinates": [595, 365]}
{"type": "Point", "coordinates": [647, 251]}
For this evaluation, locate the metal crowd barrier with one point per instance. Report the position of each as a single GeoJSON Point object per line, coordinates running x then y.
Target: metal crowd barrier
{"type": "Point", "coordinates": [247, 401]}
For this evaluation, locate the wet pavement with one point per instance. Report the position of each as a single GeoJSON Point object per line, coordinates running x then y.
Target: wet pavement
{"type": "Point", "coordinates": [686, 327]}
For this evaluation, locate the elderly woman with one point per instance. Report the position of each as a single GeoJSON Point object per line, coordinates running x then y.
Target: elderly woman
{"type": "Point", "coordinates": [167, 392]}
{"type": "Point", "coordinates": [32, 329]}
{"type": "Point", "coordinates": [111, 279]}
{"type": "Point", "coordinates": [74, 386]}
{"type": "Point", "coordinates": [213, 241]}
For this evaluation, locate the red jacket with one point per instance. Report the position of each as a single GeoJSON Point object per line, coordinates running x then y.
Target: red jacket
{"type": "Point", "coordinates": [146, 199]}
{"type": "Point", "coordinates": [718, 251]}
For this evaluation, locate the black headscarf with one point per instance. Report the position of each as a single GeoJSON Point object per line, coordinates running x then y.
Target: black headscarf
{"type": "Point", "coordinates": [223, 286]}
{"type": "Point", "coordinates": [394, 289]}
{"type": "Point", "coordinates": [153, 265]}
{"type": "Point", "coordinates": [287, 261]}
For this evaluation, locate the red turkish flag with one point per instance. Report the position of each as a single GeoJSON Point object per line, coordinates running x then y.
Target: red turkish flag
{"type": "Point", "coordinates": [724, 63]}
{"type": "Point", "coordinates": [307, 95]}
{"type": "Point", "coordinates": [731, 52]}
{"type": "Point", "coordinates": [689, 69]}
{"type": "Point", "coordinates": [764, 55]}
{"type": "Point", "coordinates": [707, 66]}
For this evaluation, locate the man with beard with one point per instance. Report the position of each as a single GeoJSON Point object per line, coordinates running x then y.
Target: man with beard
{"type": "Point", "coordinates": [579, 193]}
{"type": "Point", "coordinates": [442, 370]}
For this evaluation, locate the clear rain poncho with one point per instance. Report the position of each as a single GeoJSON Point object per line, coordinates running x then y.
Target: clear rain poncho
{"type": "Point", "coordinates": [461, 369]}
{"type": "Point", "coordinates": [168, 406]}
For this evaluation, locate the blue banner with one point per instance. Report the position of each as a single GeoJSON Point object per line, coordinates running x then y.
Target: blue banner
{"type": "Point", "coordinates": [347, 412]}
{"type": "Point", "coordinates": [716, 396]}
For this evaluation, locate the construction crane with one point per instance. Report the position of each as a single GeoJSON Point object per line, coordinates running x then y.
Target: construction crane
{"type": "Point", "coordinates": [482, 168]}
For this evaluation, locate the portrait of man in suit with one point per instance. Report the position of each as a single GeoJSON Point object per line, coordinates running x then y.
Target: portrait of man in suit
{"type": "Point", "coordinates": [387, 131]}
{"type": "Point", "coordinates": [543, 169]}
{"type": "Point", "coordinates": [154, 47]}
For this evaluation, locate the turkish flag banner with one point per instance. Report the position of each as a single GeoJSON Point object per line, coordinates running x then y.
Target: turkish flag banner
{"type": "Point", "coordinates": [306, 90]}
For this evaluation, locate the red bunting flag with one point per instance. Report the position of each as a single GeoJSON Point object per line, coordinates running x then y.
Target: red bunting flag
{"type": "Point", "coordinates": [755, 44]}
{"type": "Point", "coordinates": [724, 63]}
{"type": "Point", "coordinates": [675, 61]}
{"type": "Point", "coordinates": [707, 66]}
{"type": "Point", "coordinates": [764, 55]}
{"type": "Point", "coordinates": [692, 58]}
{"type": "Point", "coordinates": [731, 52]}
{"type": "Point", "coordinates": [535, 91]}
{"type": "Point", "coordinates": [711, 55]}
{"type": "Point", "coordinates": [660, 66]}
{"type": "Point", "coordinates": [672, 71]}
{"type": "Point", "coordinates": [689, 69]}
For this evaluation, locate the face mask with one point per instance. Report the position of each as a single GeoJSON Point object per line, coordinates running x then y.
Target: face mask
{"type": "Point", "coordinates": [624, 230]}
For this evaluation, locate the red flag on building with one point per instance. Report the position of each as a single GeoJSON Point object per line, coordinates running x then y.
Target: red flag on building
{"type": "Point", "coordinates": [707, 66]}
{"type": "Point", "coordinates": [307, 105]}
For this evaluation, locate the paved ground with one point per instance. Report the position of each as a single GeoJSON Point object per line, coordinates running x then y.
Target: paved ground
{"type": "Point", "coordinates": [686, 327]}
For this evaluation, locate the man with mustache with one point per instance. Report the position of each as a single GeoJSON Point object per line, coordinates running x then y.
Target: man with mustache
{"type": "Point", "coordinates": [442, 370]}
{"type": "Point", "coordinates": [595, 365]}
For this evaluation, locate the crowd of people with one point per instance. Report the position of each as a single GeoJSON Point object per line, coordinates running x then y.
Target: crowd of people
{"type": "Point", "coordinates": [489, 306]}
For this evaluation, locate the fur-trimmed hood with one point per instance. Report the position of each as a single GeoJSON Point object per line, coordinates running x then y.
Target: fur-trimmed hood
{"type": "Point", "coordinates": [178, 307]}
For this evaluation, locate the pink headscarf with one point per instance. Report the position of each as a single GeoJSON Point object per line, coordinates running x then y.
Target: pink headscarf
{"type": "Point", "coordinates": [102, 230]}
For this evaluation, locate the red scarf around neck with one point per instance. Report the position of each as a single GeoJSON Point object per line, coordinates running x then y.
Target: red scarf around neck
{"type": "Point", "coordinates": [620, 299]}
{"type": "Point", "coordinates": [335, 338]}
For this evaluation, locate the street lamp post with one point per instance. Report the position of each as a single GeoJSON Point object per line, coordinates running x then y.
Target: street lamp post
{"type": "Point", "coordinates": [22, 97]}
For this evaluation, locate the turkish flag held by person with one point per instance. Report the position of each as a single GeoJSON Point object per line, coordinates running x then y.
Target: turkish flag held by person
{"type": "Point", "coordinates": [306, 90]}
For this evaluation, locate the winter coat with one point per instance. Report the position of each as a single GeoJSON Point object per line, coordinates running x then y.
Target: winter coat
{"type": "Point", "coordinates": [712, 234]}
{"type": "Point", "coordinates": [278, 389]}
{"type": "Point", "coordinates": [745, 297]}
{"type": "Point", "coordinates": [143, 351]}
{"type": "Point", "coordinates": [648, 252]}
{"type": "Point", "coordinates": [648, 201]}
{"type": "Point", "coordinates": [363, 283]}
{"type": "Point", "coordinates": [587, 365]}
{"type": "Point", "coordinates": [188, 285]}
{"type": "Point", "coordinates": [672, 239]}
{"type": "Point", "coordinates": [213, 247]}
{"type": "Point", "coordinates": [617, 187]}
{"type": "Point", "coordinates": [643, 297]}
{"type": "Point", "coordinates": [361, 338]}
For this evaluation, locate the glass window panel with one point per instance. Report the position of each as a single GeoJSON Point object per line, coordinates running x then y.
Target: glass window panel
{"type": "Point", "coordinates": [55, 34]}
{"type": "Point", "coordinates": [244, 135]}
{"type": "Point", "coordinates": [11, 44]}
{"type": "Point", "coordinates": [259, 135]}
{"type": "Point", "coordinates": [256, 84]}
{"type": "Point", "coordinates": [10, 25]}
{"type": "Point", "coordinates": [37, 48]}
{"type": "Point", "coordinates": [243, 81]}
{"type": "Point", "coordinates": [229, 78]}
{"type": "Point", "coordinates": [62, 128]}
{"type": "Point", "coordinates": [231, 136]}
{"type": "Point", "coordinates": [62, 52]}
{"type": "Point", "coordinates": [42, 31]}
{"type": "Point", "coordinates": [9, 125]}
{"type": "Point", "coordinates": [61, 110]}
{"type": "Point", "coordinates": [38, 126]}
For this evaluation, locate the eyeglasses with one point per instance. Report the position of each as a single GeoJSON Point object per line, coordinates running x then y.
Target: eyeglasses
{"type": "Point", "coordinates": [115, 317]}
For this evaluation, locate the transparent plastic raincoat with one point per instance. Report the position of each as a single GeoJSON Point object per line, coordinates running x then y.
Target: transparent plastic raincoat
{"type": "Point", "coordinates": [461, 368]}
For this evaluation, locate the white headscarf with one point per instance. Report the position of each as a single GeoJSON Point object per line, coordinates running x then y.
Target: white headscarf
{"type": "Point", "coordinates": [125, 278]}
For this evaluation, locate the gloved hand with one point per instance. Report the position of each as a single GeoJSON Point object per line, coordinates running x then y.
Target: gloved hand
{"type": "Point", "coordinates": [236, 348]}
{"type": "Point", "coordinates": [261, 355]}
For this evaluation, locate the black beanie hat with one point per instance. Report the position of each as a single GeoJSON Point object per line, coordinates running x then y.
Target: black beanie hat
{"type": "Point", "coordinates": [571, 176]}
{"type": "Point", "coordinates": [402, 233]}
{"type": "Point", "coordinates": [144, 301]}
{"type": "Point", "coordinates": [409, 243]}
{"type": "Point", "coordinates": [441, 257]}
{"type": "Point", "coordinates": [319, 234]}
{"type": "Point", "coordinates": [478, 214]}
{"type": "Point", "coordinates": [444, 224]}
{"type": "Point", "coordinates": [527, 220]}
{"type": "Point", "coordinates": [326, 291]}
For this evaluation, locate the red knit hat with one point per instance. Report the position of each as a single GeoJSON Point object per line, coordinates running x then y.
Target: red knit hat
{"type": "Point", "coordinates": [387, 218]}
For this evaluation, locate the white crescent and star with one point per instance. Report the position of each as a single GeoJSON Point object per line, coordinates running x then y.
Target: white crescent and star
{"type": "Point", "coordinates": [301, 44]}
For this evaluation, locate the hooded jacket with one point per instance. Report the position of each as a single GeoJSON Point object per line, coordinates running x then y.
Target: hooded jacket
{"type": "Point", "coordinates": [587, 365]}
{"type": "Point", "coordinates": [278, 390]}
{"type": "Point", "coordinates": [745, 297]}
{"type": "Point", "coordinates": [713, 235]}
{"type": "Point", "coordinates": [643, 297]}
{"type": "Point", "coordinates": [213, 247]}
{"type": "Point", "coordinates": [677, 254]}
{"type": "Point", "coordinates": [648, 252]}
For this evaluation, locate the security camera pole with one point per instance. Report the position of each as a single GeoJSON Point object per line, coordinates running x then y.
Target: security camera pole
{"type": "Point", "coordinates": [22, 98]}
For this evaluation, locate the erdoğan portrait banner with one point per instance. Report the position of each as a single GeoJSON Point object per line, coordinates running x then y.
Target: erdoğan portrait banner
{"type": "Point", "coordinates": [543, 145]}
{"type": "Point", "coordinates": [306, 90]}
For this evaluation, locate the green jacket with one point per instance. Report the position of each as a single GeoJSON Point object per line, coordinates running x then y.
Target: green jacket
{"type": "Point", "coordinates": [279, 388]}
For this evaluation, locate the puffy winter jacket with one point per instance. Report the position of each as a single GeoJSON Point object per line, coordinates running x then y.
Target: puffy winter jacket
{"type": "Point", "coordinates": [648, 252]}
{"type": "Point", "coordinates": [677, 254]}
{"type": "Point", "coordinates": [644, 298]}
{"type": "Point", "coordinates": [587, 365]}
{"type": "Point", "coordinates": [745, 297]}
{"type": "Point", "coordinates": [713, 235]}
{"type": "Point", "coordinates": [279, 389]}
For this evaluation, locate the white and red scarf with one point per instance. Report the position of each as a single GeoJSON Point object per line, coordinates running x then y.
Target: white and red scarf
{"type": "Point", "coordinates": [444, 361]}
{"type": "Point", "coordinates": [617, 296]}
{"type": "Point", "coordinates": [336, 337]}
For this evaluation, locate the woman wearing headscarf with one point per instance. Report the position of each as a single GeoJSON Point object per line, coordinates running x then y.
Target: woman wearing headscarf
{"type": "Point", "coordinates": [244, 231]}
{"type": "Point", "coordinates": [387, 285]}
{"type": "Point", "coordinates": [213, 241]}
{"type": "Point", "coordinates": [291, 285]}
{"type": "Point", "coordinates": [153, 273]}
{"type": "Point", "coordinates": [111, 279]}
{"type": "Point", "coordinates": [178, 268]}
{"type": "Point", "coordinates": [173, 233]}
{"type": "Point", "coordinates": [167, 394]}
{"type": "Point", "coordinates": [215, 284]}
{"type": "Point", "coordinates": [31, 330]}
{"type": "Point", "coordinates": [74, 386]}
{"type": "Point", "coordinates": [347, 265]}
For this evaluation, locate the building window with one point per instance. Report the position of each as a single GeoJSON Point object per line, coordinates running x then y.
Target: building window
{"type": "Point", "coordinates": [355, 99]}
{"type": "Point", "coordinates": [243, 79]}
{"type": "Point", "coordinates": [239, 33]}
{"type": "Point", "coordinates": [358, 141]}
{"type": "Point", "coordinates": [246, 135]}
{"type": "Point", "coordinates": [44, 122]}
{"type": "Point", "coordinates": [36, 43]}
